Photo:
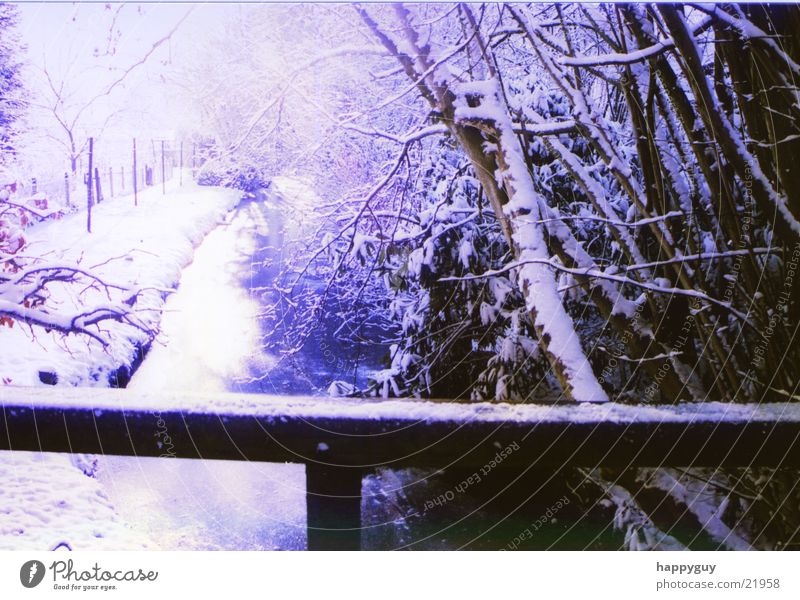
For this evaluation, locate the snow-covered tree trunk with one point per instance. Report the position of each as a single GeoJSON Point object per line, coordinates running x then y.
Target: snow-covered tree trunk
{"type": "Point", "coordinates": [507, 184]}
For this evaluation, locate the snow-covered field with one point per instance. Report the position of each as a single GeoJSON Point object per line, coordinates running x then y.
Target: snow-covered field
{"type": "Point", "coordinates": [46, 501]}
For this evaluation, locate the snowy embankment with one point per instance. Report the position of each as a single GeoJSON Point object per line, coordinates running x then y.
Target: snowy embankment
{"type": "Point", "coordinates": [143, 246]}
{"type": "Point", "coordinates": [45, 501]}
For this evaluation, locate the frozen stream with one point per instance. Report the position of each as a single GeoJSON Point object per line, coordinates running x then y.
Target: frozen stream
{"type": "Point", "coordinates": [211, 339]}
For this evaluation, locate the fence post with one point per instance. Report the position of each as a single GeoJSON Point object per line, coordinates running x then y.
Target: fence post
{"type": "Point", "coordinates": [135, 190]}
{"type": "Point", "coordinates": [163, 180]}
{"type": "Point", "coordinates": [66, 187]}
{"type": "Point", "coordinates": [333, 507]}
{"type": "Point", "coordinates": [111, 182]}
{"type": "Point", "coordinates": [89, 188]}
{"type": "Point", "coordinates": [97, 183]}
{"type": "Point", "coordinates": [33, 185]}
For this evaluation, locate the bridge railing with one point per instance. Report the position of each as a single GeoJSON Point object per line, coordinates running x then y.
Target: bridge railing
{"type": "Point", "coordinates": [339, 440]}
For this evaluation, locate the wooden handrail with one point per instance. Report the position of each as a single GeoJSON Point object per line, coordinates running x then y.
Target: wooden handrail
{"type": "Point", "coordinates": [340, 439]}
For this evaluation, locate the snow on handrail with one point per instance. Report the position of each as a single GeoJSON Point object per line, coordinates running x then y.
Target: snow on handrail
{"type": "Point", "coordinates": [339, 440]}
{"type": "Point", "coordinates": [370, 433]}
{"type": "Point", "coordinates": [272, 406]}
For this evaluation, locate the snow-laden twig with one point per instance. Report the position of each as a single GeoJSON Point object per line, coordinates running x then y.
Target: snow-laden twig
{"type": "Point", "coordinates": [628, 58]}
{"type": "Point", "coordinates": [749, 31]}
{"type": "Point", "coordinates": [595, 272]}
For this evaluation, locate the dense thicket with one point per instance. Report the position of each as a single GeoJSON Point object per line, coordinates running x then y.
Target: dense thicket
{"type": "Point", "coordinates": [600, 200]}
{"type": "Point", "coordinates": [662, 120]}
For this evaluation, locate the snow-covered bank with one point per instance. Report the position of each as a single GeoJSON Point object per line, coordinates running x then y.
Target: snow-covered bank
{"type": "Point", "coordinates": [47, 504]}
{"type": "Point", "coordinates": [45, 501]}
{"type": "Point", "coordinates": [143, 246]}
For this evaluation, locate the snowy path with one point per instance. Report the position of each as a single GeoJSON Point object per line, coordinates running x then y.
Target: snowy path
{"type": "Point", "coordinates": [211, 339]}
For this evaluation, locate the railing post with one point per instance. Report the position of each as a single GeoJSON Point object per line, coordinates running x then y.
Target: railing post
{"type": "Point", "coordinates": [333, 507]}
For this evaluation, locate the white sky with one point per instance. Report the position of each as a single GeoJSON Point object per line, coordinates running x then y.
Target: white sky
{"type": "Point", "coordinates": [72, 40]}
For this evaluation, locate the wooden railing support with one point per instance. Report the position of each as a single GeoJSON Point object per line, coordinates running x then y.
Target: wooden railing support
{"type": "Point", "coordinates": [340, 439]}
{"type": "Point", "coordinates": [333, 505]}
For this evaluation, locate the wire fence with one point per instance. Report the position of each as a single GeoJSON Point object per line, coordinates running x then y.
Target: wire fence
{"type": "Point", "coordinates": [98, 177]}
{"type": "Point", "coordinates": [111, 178]}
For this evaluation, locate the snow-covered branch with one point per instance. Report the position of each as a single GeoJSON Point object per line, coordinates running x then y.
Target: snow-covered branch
{"type": "Point", "coordinates": [26, 297]}
{"type": "Point", "coordinates": [634, 56]}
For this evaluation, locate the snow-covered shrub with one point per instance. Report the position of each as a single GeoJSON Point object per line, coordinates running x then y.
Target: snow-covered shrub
{"type": "Point", "coordinates": [461, 334]}
{"type": "Point", "coordinates": [248, 179]}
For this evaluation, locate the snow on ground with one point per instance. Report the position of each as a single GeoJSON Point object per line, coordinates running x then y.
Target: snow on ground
{"type": "Point", "coordinates": [45, 500]}
{"type": "Point", "coordinates": [149, 245]}
{"type": "Point", "coordinates": [46, 503]}
{"type": "Point", "coordinates": [200, 504]}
